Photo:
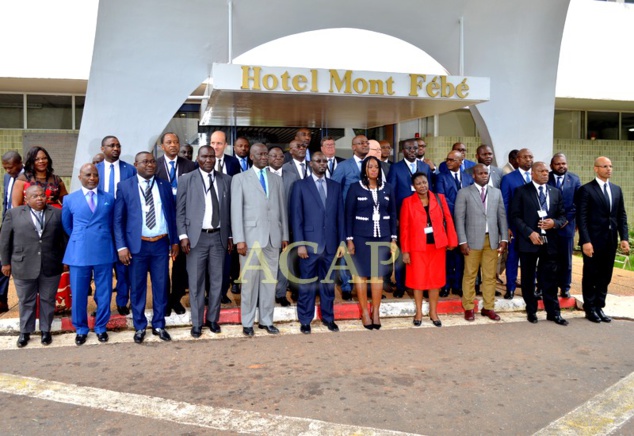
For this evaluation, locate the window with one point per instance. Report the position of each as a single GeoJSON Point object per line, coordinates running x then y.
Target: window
{"type": "Point", "coordinates": [11, 111]}
{"type": "Point", "coordinates": [49, 112]}
{"type": "Point", "coordinates": [603, 125]}
{"type": "Point", "coordinates": [567, 124]}
{"type": "Point", "coordinates": [627, 126]}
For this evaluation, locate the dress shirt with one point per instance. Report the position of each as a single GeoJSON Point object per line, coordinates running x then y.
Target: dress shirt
{"type": "Point", "coordinates": [106, 175]}
{"type": "Point", "coordinates": [489, 170]}
{"type": "Point", "coordinates": [278, 171]}
{"type": "Point", "coordinates": [524, 173]}
{"type": "Point", "coordinates": [87, 197]}
{"type": "Point", "coordinates": [299, 168]}
{"type": "Point", "coordinates": [332, 159]}
{"type": "Point", "coordinates": [325, 185]}
{"type": "Point", "coordinates": [161, 225]}
{"type": "Point", "coordinates": [220, 163]}
{"type": "Point", "coordinates": [454, 174]}
{"type": "Point", "coordinates": [208, 204]}
{"type": "Point", "coordinates": [485, 205]}
{"type": "Point", "coordinates": [601, 183]}
{"type": "Point", "coordinates": [37, 216]}
{"type": "Point", "coordinates": [168, 166]}
{"type": "Point", "coordinates": [266, 180]}
{"type": "Point", "coordinates": [358, 160]}
{"type": "Point", "coordinates": [545, 193]}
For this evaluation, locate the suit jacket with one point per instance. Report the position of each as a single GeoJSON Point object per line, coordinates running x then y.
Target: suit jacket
{"type": "Point", "coordinates": [21, 247]}
{"type": "Point", "coordinates": [190, 206]}
{"type": "Point", "coordinates": [346, 173]}
{"type": "Point", "coordinates": [495, 175]}
{"type": "Point", "coordinates": [128, 214]}
{"type": "Point", "coordinates": [524, 207]}
{"type": "Point", "coordinates": [90, 242]}
{"type": "Point", "coordinates": [183, 166]}
{"type": "Point", "coordinates": [336, 163]}
{"type": "Point", "coordinates": [510, 183]}
{"type": "Point", "coordinates": [471, 219]}
{"type": "Point", "coordinates": [569, 188]}
{"type": "Point", "coordinates": [446, 185]}
{"type": "Point", "coordinates": [597, 222]}
{"type": "Point", "coordinates": [289, 177]}
{"type": "Point", "coordinates": [7, 178]}
{"type": "Point", "coordinates": [311, 221]}
{"type": "Point", "coordinates": [127, 170]}
{"type": "Point", "coordinates": [231, 164]}
{"type": "Point", "coordinates": [290, 166]}
{"type": "Point", "coordinates": [360, 207]}
{"type": "Point", "coordinates": [400, 178]}
{"type": "Point", "coordinates": [249, 163]}
{"type": "Point", "coordinates": [508, 168]}
{"type": "Point", "coordinates": [442, 168]}
{"type": "Point", "coordinates": [414, 217]}
{"type": "Point", "coordinates": [254, 217]}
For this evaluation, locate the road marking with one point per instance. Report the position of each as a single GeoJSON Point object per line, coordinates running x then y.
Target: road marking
{"type": "Point", "coordinates": [216, 418]}
{"type": "Point", "coordinates": [601, 415]}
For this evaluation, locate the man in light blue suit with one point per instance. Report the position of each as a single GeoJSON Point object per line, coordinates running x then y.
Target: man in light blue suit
{"type": "Point", "coordinates": [112, 170]}
{"type": "Point", "coordinates": [317, 217]}
{"type": "Point", "coordinates": [347, 173]}
{"type": "Point", "coordinates": [145, 237]}
{"type": "Point", "coordinates": [87, 216]}
{"type": "Point", "coordinates": [400, 178]}
{"type": "Point", "coordinates": [510, 182]}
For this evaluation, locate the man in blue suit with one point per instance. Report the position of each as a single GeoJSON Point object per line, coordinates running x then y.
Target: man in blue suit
{"type": "Point", "coordinates": [87, 216]}
{"type": "Point", "coordinates": [112, 170]}
{"type": "Point", "coordinates": [400, 178]}
{"type": "Point", "coordinates": [568, 183]}
{"type": "Point", "coordinates": [347, 173]}
{"type": "Point", "coordinates": [466, 163]}
{"type": "Point", "coordinates": [317, 218]}
{"type": "Point", "coordinates": [12, 164]}
{"type": "Point", "coordinates": [510, 182]}
{"type": "Point", "coordinates": [145, 237]}
{"type": "Point", "coordinates": [449, 183]}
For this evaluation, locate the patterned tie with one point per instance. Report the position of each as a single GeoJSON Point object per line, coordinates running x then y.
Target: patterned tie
{"type": "Point", "coordinates": [322, 191]}
{"type": "Point", "coordinates": [150, 218]}
{"type": "Point", "coordinates": [262, 182]}
{"type": "Point", "coordinates": [559, 178]}
{"type": "Point", "coordinates": [215, 205]}
{"type": "Point", "coordinates": [111, 181]}
{"type": "Point", "coordinates": [607, 196]}
{"type": "Point", "coordinates": [542, 199]}
{"type": "Point", "coordinates": [91, 201]}
{"type": "Point", "coordinates": [527, 177]}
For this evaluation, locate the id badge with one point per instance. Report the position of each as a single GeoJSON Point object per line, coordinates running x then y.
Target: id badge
{"type": "Point", "coordinates": [376, 216]}
{"type": "Point", "coordinates": [174, 191]}
{"type": "Point", "coordinates": [429, 230]}
{"type": "Point", "coordinates": [542, 214]}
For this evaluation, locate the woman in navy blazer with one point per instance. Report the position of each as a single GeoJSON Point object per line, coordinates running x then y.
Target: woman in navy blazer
{"type": "Point", "coordinates": [427, 231]}
{"type": "Point", "coordinates": [371, 235]}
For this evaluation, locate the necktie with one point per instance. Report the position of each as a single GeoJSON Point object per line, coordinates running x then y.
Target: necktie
{"type": "Point", "coordinates": [322, 191]}
{"type": "Point", "coordinates": [91, 201]}
{"type": "Point", "coordinates": [303, 165]}
{"type": "Point", "coordinates": [559, 181]}
{"type": "Point", "coordinates": [243, 163]}
{"type": "Point", "coordinates": [262, 182]}
{"type": "Point", "coordinates": [527, 177]}
{"type": "Point", "coordinates": [219, 166]}
{"type": "Point", "coordinates": [173, 179]}
{"type": "Point", "coordinates": [412, 167]}
{"type": "Point", "coordinates": [215, 213]}
{"type": "Point", "coordinates": [607, 196]}
{"type": "Point", "coordinates": [483, 195]}
{"type": "Point", "coordinates": [39, 221]}
{"type": "Point", "coordinates": [457, 180]}
{"type": "Point", "coordinates": [111, 181]}
{"type": "Point", "coordinates": [542, 199]}
{"type": "Point", "coordinates": [150, 217]}
{"type": "Point", "coordinates": [330, 165]}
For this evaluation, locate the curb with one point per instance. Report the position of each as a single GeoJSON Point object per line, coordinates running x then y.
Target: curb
{"type": "Point", "coordinates": [342, 311]}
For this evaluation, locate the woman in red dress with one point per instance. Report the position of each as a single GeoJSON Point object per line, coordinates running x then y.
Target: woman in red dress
{"type": "Point", "coordinates": [427, 231]}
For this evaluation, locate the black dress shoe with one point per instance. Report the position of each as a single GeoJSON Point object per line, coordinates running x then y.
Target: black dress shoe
{"type": "Point", "coordinates": [225, 300]}
{"type": "Point", "coordinates": [347, 295]}
{"type": "Point", "coordinates": [197, 332]}
{"type": "Point", "coordinates": [457, 292]}
{"type": "Point", "coordinates": [214, 327]}
{"type": "Point", "coordinates": [178, 308]}
{"type": "Point", "coordinates": [123, 310]}
{"type": "Point", "coordinates": [565, 294]}
{"type": "Point", "coordinates": [557, 319]}
{"type": "Point", "coordinates": [139, 335]}
{"type": "Point", "coordinates": [509, 294]}
{"type": "Point", "coordinates": [591, 315]}
{"type": "Point", "coordinates": [235, 289]}
{"type": "Point", "coordinates": [305, 328]}
{"type": "Point", "coordinates": [102, 337]}
{"type": "Point", "coordinates": [498, 294]}
{"type": "Point", "coordinates": [283, 301]}
{"type": "Point", "coordinates": [4, 307]}
{"type": "Point", "coordinates": [80, 339]}
{"type": "Point", "coordinates": [444, 292]}
{"type": "Point", "coordinates": [532, 318]}
{"type": "Point", "coordinates": [162, 334]}
{"type": "Point", "coordinates": [23, 339]}
{"type": "Point", "coordinates": [46, 338]}
{"type": "Point", "coordinates": [331, 326]}
{"type": "Point", "coordinates": [417, 322]}
{"type": "Point", "coordinates": [603, 316]}
{"type": "Point", "coordinates": [271, 329]}
{"type": "Point", "coordinates": [248, 331]}
{"type": "Point", "coordinates": [436, 322]}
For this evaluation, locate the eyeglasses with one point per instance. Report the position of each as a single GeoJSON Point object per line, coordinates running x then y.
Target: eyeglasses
{"type": "Point", "coordinates": [147, 162]}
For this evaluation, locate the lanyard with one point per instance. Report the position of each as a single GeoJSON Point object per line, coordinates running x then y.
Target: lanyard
{"type": "Point", "coordinates": [168, 169]}
{"type": "Point", "coordinates": [143, 192]}
{"type": "Point", "coordinates": [39, 220]}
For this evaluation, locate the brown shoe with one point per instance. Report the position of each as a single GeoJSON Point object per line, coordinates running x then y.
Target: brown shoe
{"type": "Point", "coordinates": [469, 315]}
{"type": "Point", "coordinates": [491, 314]}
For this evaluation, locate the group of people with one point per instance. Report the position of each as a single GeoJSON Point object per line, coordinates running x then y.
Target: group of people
{"type": "Point", "coordinates": [263, 222]}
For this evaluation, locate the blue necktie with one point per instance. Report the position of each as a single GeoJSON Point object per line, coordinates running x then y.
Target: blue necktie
{"type": "Point", "coordinates": [527, 178]}
{"type": "Point", "coordinates": [173, 178]}
{"type": "Point", "coordinates": [322, 191]}
{"type": "Point", "coordinates": [243, 163]}
{"type": "Point", "coordinates": [542, 199]}
{"type": "Point", "coordinates": [559, 181]}
{"type": "Point", "coordinates": [111, 181]}
{"type": "Point", "coordinates": [262, 182]}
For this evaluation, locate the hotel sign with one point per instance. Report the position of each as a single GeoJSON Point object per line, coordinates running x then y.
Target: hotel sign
{"type": "Point", "coordinates": [348, 82]}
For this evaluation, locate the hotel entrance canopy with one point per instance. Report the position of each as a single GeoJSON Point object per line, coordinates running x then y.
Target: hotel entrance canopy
{"type": "Point", "coordinates": [250, 95]}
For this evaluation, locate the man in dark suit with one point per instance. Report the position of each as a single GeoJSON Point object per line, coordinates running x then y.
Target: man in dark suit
{"type": "Point", "coordinates": [328, 148]}
{"type": "Point", "coordinates": [537, 211]}
{"type": "Point", "coordinates": [601, 219]}
{"type": "Point", "coordinates": [203, 221]}
{"type": "Point", "coordinates": [317, 219]}
{"type": "Point", "coordinates": [12, 164]}
{"type": "Point", "coordinates": [32, 244]}
{"type": "Point", "coordinates": [400, 177]}
{"type": "Point", "coordinates": [289, 177]}
{"type": "Point", "coordinates": [241, 148]}
{"type": "Point", "coordinates": [386, 152]}
{"type": "Point", "coordinates": [87, 216]}
{"type": "Point", "coordinates": [484, 154]}
{"type": "Point", "coordinates": [145, 237]}
{"type": "Point", "coordinates": [449, 183]}
{"type": "Point", "coordinates": [510, 182]}
{"type": "Point", "coordinates": [466, 163]}
{"type": "Point", "coordinates": [171, 167]}
{"type": "Point", "coordinates": [568, 183]}
{"type": "Point", "coordinates": [112, 170]}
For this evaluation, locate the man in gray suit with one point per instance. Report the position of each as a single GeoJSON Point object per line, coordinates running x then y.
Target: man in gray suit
{"type": "Point", "coordinates": [289, 177]}
{"type": "Point", "coordinates": [299, 163]}
{"type": "Point", "coordinates": [33, 242]}
{"type": "Point", "coordinates": [259, 222]}
{"type": "Point", "coordinates": [484, 154]}
{"type": "Point", "coordinates": [203, 221]}
{"type": "Point", "coordinates": [482, 230]}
